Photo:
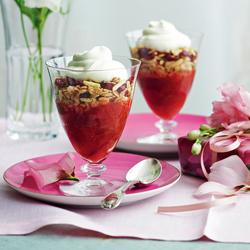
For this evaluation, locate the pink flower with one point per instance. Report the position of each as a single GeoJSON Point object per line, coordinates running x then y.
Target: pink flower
{"type": "Point", "coordinates": [242, 125]}
{"type": "Point", "coordinates": [227, 177]}
{"type": "Point", "coordinates": [234, 107]}
{"type": "Point", "coordinates": [48, 173]}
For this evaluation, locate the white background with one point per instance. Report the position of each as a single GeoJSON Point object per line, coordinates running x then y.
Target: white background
{"type": "Point", "coordinates": [224, 54]}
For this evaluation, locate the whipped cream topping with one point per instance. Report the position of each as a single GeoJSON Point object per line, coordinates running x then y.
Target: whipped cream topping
{"type": "Point", "coordinates": [163, 36]}
{"type": "Point", "coordinates": [96, 65]}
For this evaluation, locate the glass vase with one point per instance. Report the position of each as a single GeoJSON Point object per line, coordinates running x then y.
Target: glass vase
{"type": "Point", "coordinates": [30, 110]}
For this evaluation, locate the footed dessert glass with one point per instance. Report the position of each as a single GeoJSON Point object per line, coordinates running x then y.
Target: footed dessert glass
{"type": "Point", "coordinates": [165, 79]}
{"type": "Point", "coordinates": [93, 115]}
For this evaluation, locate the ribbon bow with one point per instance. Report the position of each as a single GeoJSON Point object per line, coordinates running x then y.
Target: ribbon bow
{"type": "Point", "coordinates": [219, 142]}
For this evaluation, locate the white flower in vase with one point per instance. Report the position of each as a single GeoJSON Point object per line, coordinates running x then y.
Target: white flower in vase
{"type": "Point", "coordinates": [53, 5]}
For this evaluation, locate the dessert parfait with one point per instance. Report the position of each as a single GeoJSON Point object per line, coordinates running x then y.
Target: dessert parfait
{"type": "Point", "coordinates": [167, 70]}
{"type": "Point", "coordinates": [93, 95]}
{"type": "Point", "coordinates": [93, 107]}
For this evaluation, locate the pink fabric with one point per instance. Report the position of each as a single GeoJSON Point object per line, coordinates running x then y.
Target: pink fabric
{"type": "Point", "coordinates": [22, 215]}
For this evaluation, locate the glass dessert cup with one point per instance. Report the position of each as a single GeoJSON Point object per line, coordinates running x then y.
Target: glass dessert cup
{"type": "Point", "coordinates": [93, 115]}
{"type": "Point", "coordinates": [165, 79]}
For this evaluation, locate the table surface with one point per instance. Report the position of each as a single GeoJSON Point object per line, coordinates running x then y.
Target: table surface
{"type": "Point", "coordinates": [70, 237]}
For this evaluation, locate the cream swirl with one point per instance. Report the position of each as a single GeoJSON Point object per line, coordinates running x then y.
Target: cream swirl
{"type": "Point", "coordinates": [163, 36]}
{"type": "Point", "coordinates": [96, 65]}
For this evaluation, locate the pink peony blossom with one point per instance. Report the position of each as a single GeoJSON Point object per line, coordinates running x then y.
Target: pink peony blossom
{"type": "Point", "coordinates": [234, 107]}
{"type": "Point", "coordinates": [227, 177]}
{"type": "Point", "coordinates": [48, 173]}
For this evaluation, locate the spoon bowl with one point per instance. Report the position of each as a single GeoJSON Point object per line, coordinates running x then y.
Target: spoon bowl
{"type": "Point", "coordinates": [141, 175]}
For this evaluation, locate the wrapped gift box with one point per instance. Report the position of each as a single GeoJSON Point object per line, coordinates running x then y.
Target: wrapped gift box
{"type": "Point", "coordinates": [191, 164]}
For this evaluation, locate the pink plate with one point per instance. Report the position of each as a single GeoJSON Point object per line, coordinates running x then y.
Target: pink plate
{"type": "Point", "coordinates": [142, 125]}
{"type": "Point", "coordinates": [118, 165]}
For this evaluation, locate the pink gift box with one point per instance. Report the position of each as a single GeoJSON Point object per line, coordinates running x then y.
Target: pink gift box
{"type": "Point", "coordinates": [191, 164]}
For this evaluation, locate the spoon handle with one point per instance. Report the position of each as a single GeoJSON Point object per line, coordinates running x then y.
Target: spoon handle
{"type": "Point", "coordinates": [113, 199]}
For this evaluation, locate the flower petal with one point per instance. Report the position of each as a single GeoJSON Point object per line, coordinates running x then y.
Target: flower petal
{"type": "Point", "coordinates": [230, 171]}
{"type": "Point", "coordinates": [45, 174]}
{"type": "Point", "coordinates": [242, 125]}
{"type": "Point", "coordinates": [213, 188]}
{"type": "Point", "coordinates": [53, 5]}
{"type": "Point", "coordinates": [234, 107]}
{"type": "Point", "coordinates": [67, 162]}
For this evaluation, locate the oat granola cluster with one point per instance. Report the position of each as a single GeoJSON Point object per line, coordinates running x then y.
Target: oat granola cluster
{"type": "Point", "coordinates": [85, 94]}
{"type": "Point", "coordinates": [167, 62]}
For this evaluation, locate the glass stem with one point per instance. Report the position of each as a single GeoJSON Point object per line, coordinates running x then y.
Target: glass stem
{"type": "Point", "coordinates": [94, 171]}
{"type": "Point", "coordinates": [165, 126]}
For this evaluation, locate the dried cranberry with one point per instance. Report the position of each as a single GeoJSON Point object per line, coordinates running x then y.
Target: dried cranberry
{"type": "Point", "coordinates": [59, 82]}
{"type": "Point", "coordinates": [71, 81]}
{"type": "Point", "coordinates": [107, 85]}
{"type": "Point", "coordinates": [143, 53]}
{"type": "Point", "coordinates": [184, 54]}
{"type": "Point", "coordinates": [192, 58]}
{"type": "Point", "coordinates": [85, 95]}
{"type": "Point", "coordinates": [120, 89]}
{"type": "Point", "coordinates": [171, 57]}
{"type": "Point", "coordinates": [78, 82]}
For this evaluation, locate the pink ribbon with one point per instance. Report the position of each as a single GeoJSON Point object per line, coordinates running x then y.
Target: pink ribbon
{"type": "Point", "coordinates": [216, 144]}
{"type": "Point", "coordinates": [198, 206]}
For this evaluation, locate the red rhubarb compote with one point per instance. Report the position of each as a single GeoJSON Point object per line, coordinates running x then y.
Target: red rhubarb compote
{"type": "Point", "coordinates": [166, 93]}
{"type": "Point", "coordinates": [94, 132]}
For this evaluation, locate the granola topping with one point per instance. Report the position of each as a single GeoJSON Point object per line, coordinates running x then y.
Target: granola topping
{"type": "Point", "coordinates": [88, 94]}
{"type": "Point", "coordinates": [169, 61]}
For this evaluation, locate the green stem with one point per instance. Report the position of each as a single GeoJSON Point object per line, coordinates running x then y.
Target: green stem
{"type": "Point", "coordinates": [75, 178]}
{"type": "Point", "coordinates": [205, 137]}
{"type": "Point", "coordinates": [26, 91]}
{"type": "Point", "coordinates": [24, 33]}
{"type": "Point", "coordinates": [28, 74]}
{"type": "Point", "coordinates": [39, 45]}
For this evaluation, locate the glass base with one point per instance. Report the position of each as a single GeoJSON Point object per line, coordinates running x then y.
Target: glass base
{"type": "Point", "coordinates": [86, 187]}
{"type": "Point", "coordinates": [93, 185]}
{"type": "Point", "coordinates": [32, 127]}
{"type": "Point", "coordinates": [28, 136]}
{"type": "Point", "coordinates": [166, 136]}
{"type": "Point", "coordinates": [170, 138]}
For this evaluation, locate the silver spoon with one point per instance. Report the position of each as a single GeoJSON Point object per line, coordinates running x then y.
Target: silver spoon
{"type": "Point", "coordinates": [142, 174]}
